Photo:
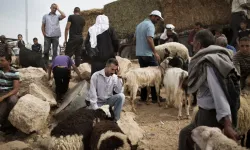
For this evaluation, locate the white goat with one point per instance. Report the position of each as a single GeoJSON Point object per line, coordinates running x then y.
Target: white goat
{"type": "Point", "coordinates": [208, 138]}
{"type": "Point", "coordinates": [175, 94]}
{"type": "Point", "coordinates": [171, 49]}
{"type": "Point", "coordinates": [144, 77]}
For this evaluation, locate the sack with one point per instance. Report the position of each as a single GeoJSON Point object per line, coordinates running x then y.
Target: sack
{"type": "Point", "coordinates": [231, 88]}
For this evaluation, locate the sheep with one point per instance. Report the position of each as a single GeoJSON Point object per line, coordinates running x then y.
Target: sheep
{"type": "Point", "coordinates": [208, 138]}
{"type": "Point", "coordinates": [81, 122]}
{"type": "Point", "coordinates": [124, 64]}
{"type": "Point", "coordinates": [144, 77]}
{"type": "Point", "coordinates": [171, 49]}
{"type": "Point", "coordinates": [73, 142]}
{"type": "Point", "coordinates": [107, 135]}
{"type": "Point", "coordinates": [175, 91]}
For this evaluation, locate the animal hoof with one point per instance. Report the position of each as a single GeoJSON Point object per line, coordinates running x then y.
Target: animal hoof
{"type": "Point", "coordinates": [166, 107]}
{"type": "Point", "coordinates": [148, 102]}
{"type": "Point", "coordinates": [179, 117]}
{"type": "Point", "coordinates": [188, 117]}
{"type": "Point", "coordinates": [133, 110]}
{"type": "Point", "coordinates": [159, 104]}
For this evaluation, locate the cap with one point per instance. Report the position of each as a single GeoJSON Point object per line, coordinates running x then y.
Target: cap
{"type": "Point", "coordinates": [156, 13]}
{"type": "Point", "coordinates": [170, 27]}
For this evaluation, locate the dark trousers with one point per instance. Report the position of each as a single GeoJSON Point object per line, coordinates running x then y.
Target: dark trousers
{"type": "Point", "coordinates": [202, 118]}
{"type": "Point", "coordinates": [47, 44]}
{"type": "Point", "coordinates": [236, 19]}
{"type": "Point", "coordinates": [6, 106]}
{"type": "Point", "coordinates": [62, 77]}
{"type": "Point", "coordinates": [73, 47]}
{"type": "Point", "coordinates": [146, 61]}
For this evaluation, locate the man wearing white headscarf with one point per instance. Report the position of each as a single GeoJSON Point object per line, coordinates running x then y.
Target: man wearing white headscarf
{"type": "Point", "coordinates": [102, 37]}
{"type": "Point", "coordinates": [169, 35]}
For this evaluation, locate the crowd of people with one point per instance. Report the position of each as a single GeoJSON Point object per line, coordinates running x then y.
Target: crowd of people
{"type": "Point", "coordinates": [211, 55]}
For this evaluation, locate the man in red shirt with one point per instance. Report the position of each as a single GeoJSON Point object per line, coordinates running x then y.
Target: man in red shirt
{"type": "Point", "coordinates": [197, 27]}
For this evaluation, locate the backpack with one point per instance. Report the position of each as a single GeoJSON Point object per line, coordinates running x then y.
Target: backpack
{"type": "Point", "coordinates": [231, 87]}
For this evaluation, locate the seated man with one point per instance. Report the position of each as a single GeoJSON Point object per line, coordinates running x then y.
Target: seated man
{"type": "Point", "coordinates": [61, 67]}
{"type": "Point", "coordinates": [103, 84]}
{"type": "Point", "coordinates": [36, 46]}
{"type": "Point", "coordinates": [9, 86]}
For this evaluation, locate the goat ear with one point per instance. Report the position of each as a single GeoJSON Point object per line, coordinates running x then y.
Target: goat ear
{"type": "Point", "coordinates": [205, 135]}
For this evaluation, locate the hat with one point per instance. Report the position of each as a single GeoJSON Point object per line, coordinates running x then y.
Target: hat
{"type": "Point", "coordinates": [170, 27]}
{"type": "Point", "coordinates": [156, 13]}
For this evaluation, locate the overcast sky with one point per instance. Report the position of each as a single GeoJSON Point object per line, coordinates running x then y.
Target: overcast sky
{"type": "Point", "coordinates": [12, 16]}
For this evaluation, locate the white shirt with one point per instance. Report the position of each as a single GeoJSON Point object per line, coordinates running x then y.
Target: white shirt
{"type": "Point", "coordinates": [102, 88]}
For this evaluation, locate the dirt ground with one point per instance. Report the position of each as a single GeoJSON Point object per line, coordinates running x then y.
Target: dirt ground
{"type": "Point", "coordinates": [160, 124]}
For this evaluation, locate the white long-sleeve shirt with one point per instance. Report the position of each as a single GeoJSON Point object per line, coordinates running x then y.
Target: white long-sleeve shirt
{"type": "Point", "coordinates": [102, 88]}
{"type": "Point", "coordinates": [211, 96]}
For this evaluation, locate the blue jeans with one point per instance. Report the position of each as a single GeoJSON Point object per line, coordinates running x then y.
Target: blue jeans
{"type": "Point", "coordinates": [146, 61]}
{"type": "Point", "coordinates": [47, 44]}
{"type": "Point", "coordinates": [117, 102]}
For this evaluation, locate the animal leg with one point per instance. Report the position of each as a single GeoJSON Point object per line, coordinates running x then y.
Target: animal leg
{"type": "Point", "coordinates": [180, 102]}
{"type": "Point", "coordinates": [157, 88]}
{"type": "Point", "coordinates": [167, 98]}
{"type": "Point", "coordinates": [133, 97]}
{"type": "Point", "coordinates": [188, 103]}
{"type": "Point", "coordinates": [148, 92]}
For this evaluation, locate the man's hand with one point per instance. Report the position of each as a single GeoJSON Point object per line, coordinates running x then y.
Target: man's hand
{"type": "Point", "coordinates": [157, 57]}
{"type": "Point", "coordinates": [57, 7]}
{"type": "Point", "coordinates": [230, 133]}
{"type": "Point", "coordinates": [64, 43]}
{"type": "Point", "coordinates": [1, 99]}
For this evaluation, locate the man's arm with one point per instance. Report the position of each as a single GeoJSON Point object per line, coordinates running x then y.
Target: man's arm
{"type": "Point", "coordinates": [43, 29]}
{"type": "Point", "coordinates": [16, 85]}
{"type": "Point", "coordinates": [67, 31]}
{"type": "Point", "coordinates": [77, 71]}
{"type": "Point", "coordinates": [223, 112]}
{"type": "Point", "coordinates": [62, 16]}
{"type": "Point", "coordinates": [118, 85]}
{"type": "Point", "coordinates": [92, 95]}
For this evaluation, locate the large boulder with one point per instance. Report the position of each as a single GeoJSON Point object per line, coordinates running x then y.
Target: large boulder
{"type": "Point", "coordinates": [15, 145]}
{"type": "Point", "coordinates": [29, 114]}
{"type": "Point", "coordinates": [31, 75]}
{"type": "Point", "coordinates": [85, 70]}
{"type": "Point", "coordinates": [130, 127]}
{"type": "Point", "coordinates": [42, 92]}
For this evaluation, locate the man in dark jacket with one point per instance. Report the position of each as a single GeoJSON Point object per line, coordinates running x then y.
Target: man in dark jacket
{"type": "Point", "coordinates": [104, 38]}
{"type": "Point", "coordinates": [36, 47]}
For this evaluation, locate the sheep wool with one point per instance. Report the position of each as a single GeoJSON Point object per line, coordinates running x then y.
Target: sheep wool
{"type": "Point", "coordinates": [73, 142]}
{"type": "Point", "coordinates": [107, 135]}
{"type": "Point", "coordinates": [173, 48]}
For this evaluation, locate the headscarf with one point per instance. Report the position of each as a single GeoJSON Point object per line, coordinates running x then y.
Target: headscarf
{"type": "Point", "coordinates": [100, 26]}
{"type": "Point", "coordinates": [164, 35]}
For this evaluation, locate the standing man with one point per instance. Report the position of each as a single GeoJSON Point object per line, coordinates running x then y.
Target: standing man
{"type": "Point", "coordinates": [145, 48]}
{"type": "Point", "coordinates": [51, 31]}
{"type": "Point", "coordinates": [9, 86]}
{"type": "Point", "coordinates": [74, 27]}
{"type": "Point", "coordinates": [214, 109]}
{"type": "Point", "coordinates": [103, 85]}
{"type": "Point", "coordinates": [239, 14]}
{"type": "Point", "coordinates": [20, 43]}
{"type": "Point", "coordinates": [102, 37]}
{"type": "Point", "coordinates": [36, 46]}
{"type": "Point", "coordinates": [4, 48]}
{"type": "Point", "coordinates": [197, 27]}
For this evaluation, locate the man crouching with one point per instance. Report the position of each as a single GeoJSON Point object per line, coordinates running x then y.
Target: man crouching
{"type": "Point", "coordinates": [106, 88]}
{"type": "Point", "coordinates": [9, 86]}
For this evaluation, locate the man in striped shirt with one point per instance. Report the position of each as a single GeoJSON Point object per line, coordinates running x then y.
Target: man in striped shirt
{"type": "Point", "coordinates": [9, 86]}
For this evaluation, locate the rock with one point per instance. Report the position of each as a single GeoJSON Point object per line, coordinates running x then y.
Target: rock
{"type": "Point", "coordinates": [124, 64]}
{"type": "Point", "coordinates": [80, 89]}
{"type": "Point", "coordinates": [29, 114]}
{"type": "Point", "coordinates": [42, 92]}
{"type": "Point", "coordinates": [130, 127]}
{"type": "Point", "coordinates": [142, 145]}
{"type": "Point", "coordinates": [85, 70]}
{"type": "Point", "coordinates": [15, 145]}
{"type": "Point", "coordinates": [31, 75]}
